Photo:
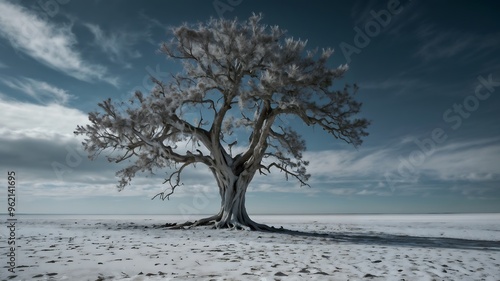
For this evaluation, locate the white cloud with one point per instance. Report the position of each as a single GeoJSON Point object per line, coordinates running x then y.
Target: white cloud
{"type": "Point", "coordinates": [116, 44]}
{"type": "Point", "coordinates": [47, 129]}
{"type": "Point", "coordinates": [398, 85]}
{"type": "Point", "coordinates": [342, 191]}
{"type": "Point", "coordinates": [475, 160]}
{"type": "Point", "coordinates": [474, 192]}
{"type": "Point", "coordinates": [78, 189]}
{"type": "Point", "coordinates": [279, 184]}
{"type": "Point", "coordinates": [378, 170]}
{"type": "Point", "coordinates": [349, 164]}
{"type": "Point", "coordinates": [444, 44]}
{"type": "Point", "coordinates": [41, 91]}
{"type": "Point", "coordinates": [48, 122]}
{"type": "Point", "coordinates": [49, 44]}
{"type": "Point", "coordinates": [35, 137]}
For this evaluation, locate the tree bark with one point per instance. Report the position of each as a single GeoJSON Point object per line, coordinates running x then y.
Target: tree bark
{"type": "Point", "coordinates": [232, 213]}
{"type": "Point", "coordinates": [233, 189]}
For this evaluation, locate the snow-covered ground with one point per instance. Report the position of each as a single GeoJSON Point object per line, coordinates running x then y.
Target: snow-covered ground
{"type": "Point", "coordinates": [344, 247]}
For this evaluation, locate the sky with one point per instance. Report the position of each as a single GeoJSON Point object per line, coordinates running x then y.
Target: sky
{"type": "Point", "coordinates": [429, 79]}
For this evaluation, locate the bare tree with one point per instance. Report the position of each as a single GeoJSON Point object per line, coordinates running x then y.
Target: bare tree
{"type": "Point", "coordinates": [238, 78]}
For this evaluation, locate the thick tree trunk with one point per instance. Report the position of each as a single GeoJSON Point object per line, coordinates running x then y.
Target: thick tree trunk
{"type": "Point", "coordinates": [233, 213]}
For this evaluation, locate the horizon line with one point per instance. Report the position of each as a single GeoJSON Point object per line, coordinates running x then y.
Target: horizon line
{"type": "Point", "coordinates": [258, 214]}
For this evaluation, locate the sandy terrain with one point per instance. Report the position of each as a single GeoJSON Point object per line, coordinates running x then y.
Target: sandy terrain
{"type": "Point", "coordinates": [424, 247]}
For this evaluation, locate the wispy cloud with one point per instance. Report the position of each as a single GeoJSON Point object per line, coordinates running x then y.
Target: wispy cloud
{"type": "Point", "coordinates": [471, 161]}
{"type": "Point", "coordinates": [117, 44]}
{"type": "Point", "coordinates": [439, 44]}
{"type": "Point", "coordinates": [397, 85]}
{"type": "Point", "coordinates": [402, 24]}
{"type": "Point", "coordinates": [41, 91]}
{"type": "Point", "coordinates": [152, 23]}
{"type": "Point", "coordinates": [352, 165]}
{"type": "Point", "coordinates": [412, 82]}
{"type": "Point", "coordinates": [351, 172]}
{"type": "Point", "coordinates": [47, 43]}
{"type": "Point", "coordinates": [2, 65]}
{"type": "Point", "coordinates": [36, 135]}
{"type": "Point", "coordinates": [47, 122]}
{"type": "Point", "coordinates": [360, 11]}
{"type": "Point", "coordinates": [461, 161]}
{"type": "Point", "coordinates": [473, 191]}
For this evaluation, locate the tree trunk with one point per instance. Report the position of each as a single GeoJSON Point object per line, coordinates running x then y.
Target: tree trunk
{"type": "Point", "coordinates": [233, 213]}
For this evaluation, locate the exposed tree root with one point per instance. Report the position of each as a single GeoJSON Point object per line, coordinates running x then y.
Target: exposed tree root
{"type": "Point", "coordinates": [216, 222]}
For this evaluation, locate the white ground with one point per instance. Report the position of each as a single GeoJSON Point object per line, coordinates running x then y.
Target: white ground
{"type": "Point", "coordinates": [377, 247]}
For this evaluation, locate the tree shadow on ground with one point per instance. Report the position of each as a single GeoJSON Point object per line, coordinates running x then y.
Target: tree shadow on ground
{"type": "Point", "coordinates": [359, 238]}
{"type": "Point", "coordinates": [384, 239]}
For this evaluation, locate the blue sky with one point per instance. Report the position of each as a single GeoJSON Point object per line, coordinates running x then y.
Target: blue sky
{"type": "Point", "coordinates": [429, 77]}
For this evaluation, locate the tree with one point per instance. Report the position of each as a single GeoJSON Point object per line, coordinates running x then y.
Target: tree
{"type": "Point", "coordinates": [237, 76]}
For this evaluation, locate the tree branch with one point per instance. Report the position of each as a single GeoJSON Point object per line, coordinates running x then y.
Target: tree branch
{"type": "Point", "coordinates": [177, 174]}
{"type": "Point", "coordinates": [287, 172]}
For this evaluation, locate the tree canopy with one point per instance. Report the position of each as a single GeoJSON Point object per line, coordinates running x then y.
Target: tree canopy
{"type": "Point", "coordinates": [237, 77]}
